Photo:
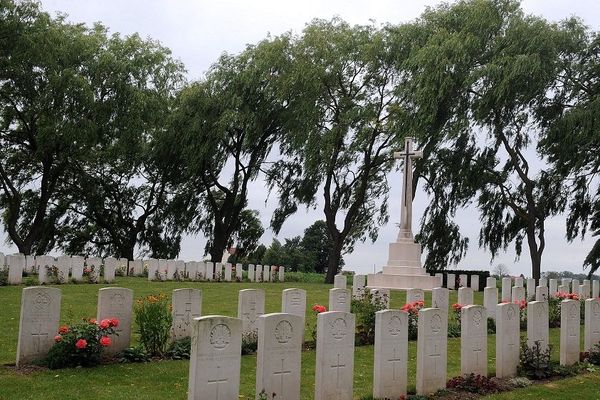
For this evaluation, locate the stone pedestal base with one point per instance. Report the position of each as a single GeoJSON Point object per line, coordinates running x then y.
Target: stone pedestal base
{"type": "Point", "coordinates": [388, 281]}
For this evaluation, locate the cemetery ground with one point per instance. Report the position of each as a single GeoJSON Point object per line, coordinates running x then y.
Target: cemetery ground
{"type": "Point", "coordinates": [168, 379]}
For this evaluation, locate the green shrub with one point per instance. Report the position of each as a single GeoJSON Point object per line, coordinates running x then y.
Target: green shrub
{"type": "Point", "coordinates": [135, 354]}
{"type": "Point", "coordinates": [365, 308]}
{"type": "Point", "coordinates": [520, 382]}
{"type": "Point", "coordinates": [180, 349]}
{"type": "Point", "coordinates": [473, 383]}
{"type": "Point", "coordinates": [413, 317]}
{"type": "Point", "coordinates": [153, 318]}
{"type": "Point", "coordinates": [593, 356]}
{"type": "Point", "coordinates": [453, 330]}
{"type": "Point", "coordinates": [249, 343]}
{"type": "Point", "coordinates": [491, 326]}
{"type": "Point", "coordinates": [81, 344]}
{"type": "Point", "coordinates": [534, 362]}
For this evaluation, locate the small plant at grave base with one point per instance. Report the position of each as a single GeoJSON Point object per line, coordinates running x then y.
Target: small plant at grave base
{"type": "Point", "coordinates": [81, 344]}
{"type": "Point", "coordinates": [135, 354]}
{"type": "Point", "coordinates": [365, 307]}
{"type": "Point", "coordinates": [121, 271]}
{"type": "Point", "coordinates": [593, 355]}
{"type": "Point", "coordinates": [520, 382]}
{"type": "Point", "coordinates": [262, 395]}
{"type": "Point", "coordinates": [177, 277]}
{"type": "Point", "coordinates": [413, 317]}
{"type": "Point", "coordinates": [473, 383]}
{"type": "Point", "coordinates": [54, 275]}
{"type": "Point", "coordinates": [249, 342]}
{"type": "Point", "coordinates": [153, 318]}
{"type": "Point", "coordinates": [90, 275]}
{"type": "Point", "coordinates": [3, 276]}
{"type": "Point", "coordinates": [491, 326]}
{"type": "Point", "coordinates": [318, 309]}
{"type": "Point", "coordinates": [534, 362]}
{"type": "Point", "coordinates": [180, 349]}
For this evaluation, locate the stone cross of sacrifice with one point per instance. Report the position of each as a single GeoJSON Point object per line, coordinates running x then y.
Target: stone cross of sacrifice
{"type": "Point", "coordinates": [408, 154]}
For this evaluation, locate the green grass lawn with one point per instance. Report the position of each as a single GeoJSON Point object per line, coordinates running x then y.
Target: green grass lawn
{"type": "Point", "coordinates": [168, 379]}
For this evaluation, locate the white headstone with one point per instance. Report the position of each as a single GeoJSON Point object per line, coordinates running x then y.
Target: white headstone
{"type": "Point", "coordinates": [334, 373]}
{"type": "Point", "coordinates": [563, 289]}
{"type": "Point", "coordinates": [432, 351]}
{"type": "Point", "coordinates": [339, 300]}
{"type": "Point", "coordinates": [29, 264]}
{"type": "Point", "coordinates": [191, 270]}
{"type": "Point", "coordinates": [2, 260]}
{"type": "Point", "coordinates": [293, 301]}
{"type": "Point", "coordinates": [391, 354]}
{"type": "Point", "coordinates": [110, 265]}
{"type": "Point", "coordinates": [281, 274]}
{"type": "Point", "coordinates": [63, 263]}
{"type": "Point", "coordinates": [187, 305]}
{"type": "Point", "coordinates": [266, 276]}
{"type": "Point", "coordinates": [507, 339]}
{"type": "Point", "coordinates": [358, 286]}
{"type": "Point", "coordinates": [473, 340]}
{"type": "Point", "coordinates": [541, 293]}
{"type": "Point", "coordinates": [464, 280]}
{"type": "Point", "coordinates": [239, 272]}
{"type": "Point", "coordinates": [574, 286]}
{"type": "Point", "coordinates": [519, 281]}
{"type": "Point", "coordinates": [530, 288]}
{"type": "Point", "coordinates": [228, 272]}
{"type": "Point", "coordinates": [569, 332]}
{"type": "Point", "coordinates": [171, 268]}
{"type": "Point", "coordinates": [565, 282]}
{"type": "Point", "coordinates": [258, 275]}
{"type": "Point", "coordinates": [117, 303]}
{"type": "Point", "coordinates": [137, 267]}
{"type": "Point", "coordinates": [210, 270]}
{"type": "Point", "coordinates": [440, 298]}
{"type": "Point", "coordinates": [595, 289]}
{"type": "Point", "coordinates": [273, 273]}
{"type": "Point", "coordinates": [553, 288]}
{"type": "Point", "coordinates": [152, 269]}
{"type": "Point", "coordinates": [475, 283]}
{"type": "Point", "coordinates": [413, 295]}
{"type": "Point", "coordinates": [40, 315]}
{"type": "Point", "coordinates": [16, 265]}
{"type": "Point", "coordinates": [490, 301]}
{"type": "Point", "coordinates": [278, 357]}
{"type": "Point", "coordinates": [42, 264]}
{"type": "Point", "coordinates": [506, 288]}
{"type": "Point", "coordinates": [215, 358]}
{"type": "Point", "coordinates": [251, 276]}
{"type": "Point", "coordinates": [123, 265]}
{"type": "Point", "coordinates": [592, 323]}
{"type": "Point", "coordinates": [251, 305]}
{"type": "Point", "coordinates": [490, 282]}
{"type": "Point", "coordinates": [451, 281]}
{"type": "Point", "coordinates": [543, 282]}
{"type": "Point", "coordinates": [218, 271]}
{"type": "Point", "coordinates": [518, 293]}
{"type": "Point", "coordinates": [465, 296]}
{"type": "Point", "coordinates": [339, 281]}
{"type": "Point", "coordinates": [77, 267]}
{"type": "Point", "coordinates": [584, 292]}
{"type": "Point", "coordinates": [537, 324]}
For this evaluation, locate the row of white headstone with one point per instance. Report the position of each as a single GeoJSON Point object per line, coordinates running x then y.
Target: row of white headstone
{"type": "Point", "coordinates": [548, 287]}
{"type": "Point", "coordinates": [68, 268]}
{"type": "Point", "coordinates": [216, 342]}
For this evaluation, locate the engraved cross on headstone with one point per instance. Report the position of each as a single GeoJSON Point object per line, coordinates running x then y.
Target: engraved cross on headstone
{"type": "Point", "coordinates": [435, 355]}
{"type": "Point", "coordinates": [217, 381]}
{"type": "Point", "coordinates": [337, 367]}
{"type": "Point", "coordinates": [38, 336]}
{"type": "Point", "coordinates": [282, 372]}
{"type": "Point", "coordinates": [394, 360]}
{"type": "Point", "coordinates": [408, 154]}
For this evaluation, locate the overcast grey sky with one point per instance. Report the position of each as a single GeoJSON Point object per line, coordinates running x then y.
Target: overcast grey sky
{"type": "Point", "coordinates": [199, 31]}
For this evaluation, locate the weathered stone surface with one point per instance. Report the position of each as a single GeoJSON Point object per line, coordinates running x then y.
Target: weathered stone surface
{"type": "Point", "coordinates": [115, 302]}
{"type": "Point", "coordinates": [451, 281]}
{"type": "Point", "coordinates": [77, 267]}
{"type": "Point", "coordinates": [432, 351]}
{"type": "Point", "coordinates": [475, 283]}
{"type": "Point", "coordinates": [358, 286]}
{"type": "Point", "coordinates": [228, 271]}
{"type": "Point", "coordinates": [251, 305]}
{"type": "Point", "coordinates": [569, 332]}
{"type": "Point", "coordinates": [215, 358]}
{"type": "Point", "coordinates": [519, 281]}
{"type": "Point", "coordinates": [465, 296]}
{"type": "Point", "coordinates": [40, 315]}
{"type": "Point", "coordinates": [507, 339]}
{"type": "Point", "coordinates": [187, 305]}
{"type": "Point", "coordinates": [553, 287]}
{"type": "Point", "coordinates": [334, 373]}
{"type": "Point", "coordinates": [490, 301]}
{"type": "Point", "coordinates": [251, 276]}
{"type": "Point", "coordinates": [278, 356]}
{"type": "Point", "coordinates": [592, 323]}
{"type": "Point", "coordinates": [391, 354]}
{"type": "Point", "coordinates": [413, 295]}
{"type": "Point", "coordinates": [530, 288]}
{"type": "Point", "coordinates": [473, 340]}
{"type": "Point", "coordinates": [537, 324]}
{"type": "Point", "coordinates": [340, 281]}
{"type": "Point", "coordinates": [381, 295]}
{"type": "Point", "coordinates": [490, 282]}
{"type": "Point", "coordinates": [506, 289]}
{"type": "Point", "coordinates": [518, 293]}
{"type": "Point", "coordinates": [110, 264]}
{"type": "Point", "coordinates": [339, 300]}
{"type": "Point", "coordinates": [543, 282]}
{"type": "Point", "coordinates": [440, 298]}
{"type": "Point", "coordinates": [541, 293]}
{"type": "Point", "coordinates": [293, 301]}
{"type": "Point", "coordinates": [16, 265]}
{"type": "Point", "coordinates": [152, 268]}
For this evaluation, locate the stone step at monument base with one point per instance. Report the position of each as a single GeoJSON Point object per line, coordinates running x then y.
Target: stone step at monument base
{"type": "Point", "coordinates": [393, 270]}
{"type": "Point", "coordinates": [390, 281]}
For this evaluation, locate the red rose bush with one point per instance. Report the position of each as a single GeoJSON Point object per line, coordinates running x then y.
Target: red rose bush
{"type": "Point", "coordinates": [81, 344]}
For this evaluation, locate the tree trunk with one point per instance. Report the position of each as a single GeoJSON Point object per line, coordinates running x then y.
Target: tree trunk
{"type": "Point", "coordinates": [534, 254]}
{"type": "Point", "coordinates": [218, 245]}
{"type": "Point", "coordinates": [333, 260]}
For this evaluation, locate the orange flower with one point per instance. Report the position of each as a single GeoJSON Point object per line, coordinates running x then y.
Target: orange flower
{"type": "Point", "coordinates": [63, 329]}
{"type": "Point", "coordinates": [457, 307]}
{"type": "Point", "coordinates": [81, 344]}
